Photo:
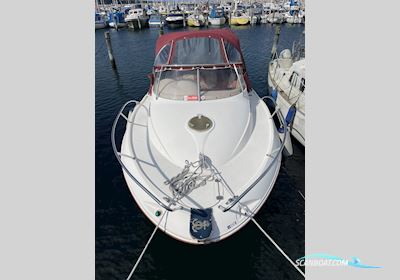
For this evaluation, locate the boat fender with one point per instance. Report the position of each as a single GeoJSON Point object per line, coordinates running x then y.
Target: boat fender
{"type": "Point", "coordinates": [288, 149]}
{"type": "Point", "coordinates": [289, 117]}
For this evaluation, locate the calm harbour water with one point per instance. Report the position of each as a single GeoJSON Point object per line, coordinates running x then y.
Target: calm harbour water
{"type": "Point", "coordinates": [121, 228]}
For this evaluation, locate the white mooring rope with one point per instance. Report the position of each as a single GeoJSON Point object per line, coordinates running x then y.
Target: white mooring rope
{"type": "Point", "coordinates": [277, 247]}
{"type": "Point", "coordinates": [145, 247]}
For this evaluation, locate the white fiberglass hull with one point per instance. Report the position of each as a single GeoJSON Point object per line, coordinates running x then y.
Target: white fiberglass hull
{"type": "Point", "coordinates": [153, 153]}
{"type": "Point", "coordinates": [216, 21]}
{"type": "Point", "coordinates": [134, 22]}
{"type": "Point", "coordinates": [100, 25]}
{"type": "Point", "coordinates": [294, 20]}
{"type": "Point", "coordinates": [285, 100]}
{"type": "Point", "coordinates": [119, 24]}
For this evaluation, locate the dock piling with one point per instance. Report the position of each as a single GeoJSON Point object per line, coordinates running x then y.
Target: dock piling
{"type": "Point", "coordinates": [109, 49]}
{"type": "Point", "coordinates": [275, 43]}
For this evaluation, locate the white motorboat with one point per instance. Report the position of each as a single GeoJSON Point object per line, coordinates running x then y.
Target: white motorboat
{"type": "Point", "coordinates": [286, 78]}
{"type": "Point", "coordinates": [175, 19]}
{"type": "Point", "coordinates": [116, 19]}
{"type": "Point", "coordinates": [100, 21]}
{"type": "Point", "coordinates": [200, 153]}
{"type": "Point", "coordinates": [156, 20]}
{"type": "Point", "coordinates": [216, 16]}
{"type": "Point", "coordinates": [276, 17]}
{"type": "Point", "coordinates": [137, 18]}
{"type": "Point", "coordinates": [294, 17]}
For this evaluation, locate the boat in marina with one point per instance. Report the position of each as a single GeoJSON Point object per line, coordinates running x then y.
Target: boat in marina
{"type": "Point", "coordinates": [200, 152]}
{"type": "Point", "coordinates": [137, 18]}
{"type": "Point", "coordinates": [100, 22]}
{"type": "Point", "coordinates": [156, 20]}
{"type": "Point", "coordinates": [238, 15]}
{"type": "Point", "coordinates": [294, 15]}
{"type": "Point", "coordinates": [293, 18]}
{"type": "Point", "coordinates": [216, 17]}
{"type": "Point", "coordinates": [264, 18]}
{"type": "Point", "coordinates": [239, 18]}
{"type": "Point", "coordinates": [286, 79]}
{"type": "Point", "coordinates": [116, 19]}
{"type": "Point", "coordinates": [175, 19]}
{"type": "Point", "coordinates": [276, 17]}
{"type": "Point", "coordinates": [196, 19]}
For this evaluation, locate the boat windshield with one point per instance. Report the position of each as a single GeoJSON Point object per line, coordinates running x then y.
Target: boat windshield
{"type": "Point", "coordinates": [198, 84]}
{"type": "Point", "coordinates": [198, 68]}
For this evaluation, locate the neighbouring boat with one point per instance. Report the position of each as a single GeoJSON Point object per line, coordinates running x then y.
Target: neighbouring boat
{"type": "Point", "coordinates": [201, 148]}
{"type": "Point", "coordinates": [99, 21]}
{"type": "Point", "coordinates": [156, 20]}
{"type": "Point", "coordinates": [239, 18]}
{"type": "Point", "coordinates": [175, 19]}
{"type": "Point", "coordinates": [196, 19]}
{"type": "Point", "coordinates": [286, 78]}
{"type": "Point", "coordinates": [293, 19]}
{"type": "Point", "coordinates": [276, 17]}
{"type": "Point", "coordinates": [264, 18]}
{"type": "Point", "coordinates": [216, 17]}
{"type": "Point", "coordinates": [116, 19]}
{"type": "Point", "coordinates": [137, 18]}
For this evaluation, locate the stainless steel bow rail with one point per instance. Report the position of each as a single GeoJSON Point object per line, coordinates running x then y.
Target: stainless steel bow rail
{"type": "Point", "coordinates": [235, 199]}
{"type": "Point", "coordinates": [118, 155]}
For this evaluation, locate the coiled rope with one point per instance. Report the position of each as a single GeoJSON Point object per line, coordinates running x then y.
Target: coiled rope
{"type": "Point", "coordinates": [186, 181]}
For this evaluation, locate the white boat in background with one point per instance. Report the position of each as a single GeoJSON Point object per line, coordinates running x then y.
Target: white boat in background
{"type": "Point", "coordinates": [99, 21]}
{"type": "Point", "coordinates": [175, 19]}
{"type": "Point", "coordinates": [216, 17]}
{"type": "Point", "coordinates": [295, 14]}
{"type": "Point", "coordinates": [156, 20]}
{"type": "Point", "coordinates": [286, 78]}
{"type": "Point", "coordinates": [201, 152]}
{"type": "Point", "coordinates": [116, 19]}
{"type": "Point", "coordinates": [294, 18]}
{"type": "Point", "coordinates": [276, 17]}
{"type": "Point", "coordinates": [137, 18]}
{"type": "Point", "coordinates": [264, 18]}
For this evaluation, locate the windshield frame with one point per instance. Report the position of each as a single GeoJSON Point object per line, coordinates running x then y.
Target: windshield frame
{"type": "Point", "coordinates": [158, 70]}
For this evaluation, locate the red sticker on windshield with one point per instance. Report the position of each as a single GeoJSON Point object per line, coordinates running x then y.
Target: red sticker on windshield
{"type": "Point", "coordinates": [190, 97]}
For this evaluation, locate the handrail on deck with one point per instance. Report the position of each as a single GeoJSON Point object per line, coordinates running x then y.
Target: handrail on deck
{"type": "Point", "coordinates": [235, 199]}
{"type": "Point", "coordinates": [118, 156]}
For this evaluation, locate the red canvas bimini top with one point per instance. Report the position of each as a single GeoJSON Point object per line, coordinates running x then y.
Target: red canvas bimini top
{"type": "Point", "coordinates": [205, 47]}
{"type": "Point", "coordinates": [225, 34]}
